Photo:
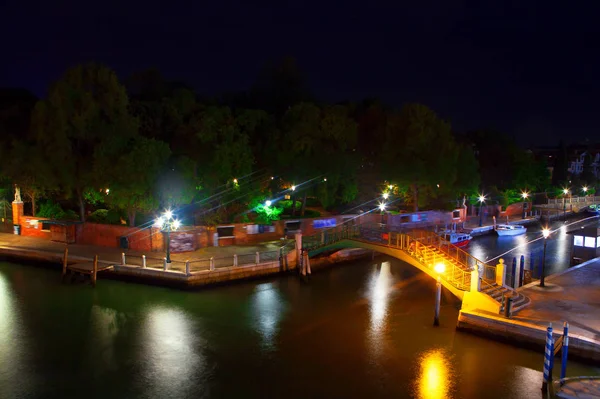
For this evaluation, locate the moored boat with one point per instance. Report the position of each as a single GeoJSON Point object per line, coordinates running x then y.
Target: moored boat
{"type": "Point", "coordinates": [457, 239]}
{"type": "Point", "coordinates": [510, 230]}
{"type": "Point", "coordinates": [593, 210]}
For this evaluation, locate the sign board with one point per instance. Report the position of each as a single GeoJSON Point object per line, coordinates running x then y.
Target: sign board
{"type": "Point", "coordinates": [324, 223]}
{"type": "Point", "coordinates": [183, 242]}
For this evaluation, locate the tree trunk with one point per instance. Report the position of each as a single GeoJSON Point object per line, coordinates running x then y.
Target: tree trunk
{"type": "Point", "coordinates": [416, 197]}
{"type": "Point", "coordinates": [303, 205]}
{"type": "Point", "coordinates": [293, 205]}
{"type": "Point", "coordinates": [131, 216]}
{"type": "Point", "coordinates": [33, 204]}
{"type": "Point", "coordinates": [81, 205]}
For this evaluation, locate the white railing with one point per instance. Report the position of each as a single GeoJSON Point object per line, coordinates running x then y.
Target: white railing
{"type": "Point", "coordinates": [205, 264]}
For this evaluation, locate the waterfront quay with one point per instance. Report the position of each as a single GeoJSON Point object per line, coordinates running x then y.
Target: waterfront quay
{"type": "Point", "coordinates": [572, 296]}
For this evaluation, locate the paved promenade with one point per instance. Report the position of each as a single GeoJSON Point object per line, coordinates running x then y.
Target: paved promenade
{"type": "Point", "coordinates": [154, 259]}
{"type": "Point", "coordinates": [572, 296]}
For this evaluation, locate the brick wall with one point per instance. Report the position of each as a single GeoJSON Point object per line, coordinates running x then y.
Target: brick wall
{"type": "Point", "coordinates": [32, 227]}
{"type": "Point", "coordinates": [107, 235]}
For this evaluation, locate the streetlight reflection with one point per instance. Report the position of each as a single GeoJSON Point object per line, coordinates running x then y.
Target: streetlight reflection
{"type": "Point", "coordinates": [434, 379]}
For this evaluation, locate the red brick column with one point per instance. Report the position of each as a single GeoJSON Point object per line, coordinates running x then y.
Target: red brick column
{"type": "Point", "coordinates": [17, 209]}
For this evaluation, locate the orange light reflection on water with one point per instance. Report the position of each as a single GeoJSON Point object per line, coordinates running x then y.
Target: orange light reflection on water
{"type": "Point", "coordinates": [434, 377]}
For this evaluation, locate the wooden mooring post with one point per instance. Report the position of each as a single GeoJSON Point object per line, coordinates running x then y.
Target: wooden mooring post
{"type": "Point", "coordinates": [64, 268]}
{"type": "Point", "coordinates": [88, 268]}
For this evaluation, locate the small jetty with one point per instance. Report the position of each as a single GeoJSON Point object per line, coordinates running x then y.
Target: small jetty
{"type": "Point", "coordinates": [83, 269]}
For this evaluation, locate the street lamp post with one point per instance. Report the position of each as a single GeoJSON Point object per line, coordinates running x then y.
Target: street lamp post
{"type": "Point", "coordinates": [524, 194]}
{"type": "Point", "coordinates": [439, 269]}
{"type": "Point", "coordinates": [481, 202]}
{"type": "Point", "coordinates": [565, 192]}
{"type": "Point", "coordinates": [382, 206]}
{"type": "Point", "coordinates": [546, 234]}
{"type": "Point", "coordinates": [167, 223]}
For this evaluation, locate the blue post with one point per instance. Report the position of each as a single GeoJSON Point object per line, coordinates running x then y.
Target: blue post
{"type": "Point", "coordinates": [565, 353]}
{"type": "Point", "coordinates": [514, 273]}
{"type": "Point", "coordinates": [548, 356]}
{"type": "Point", "coordinates": [522, 270]}
{"type": "Point", "coordinates": [532, 265]}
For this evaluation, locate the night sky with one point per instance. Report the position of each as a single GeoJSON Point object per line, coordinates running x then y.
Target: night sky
{"type": "Point", "coordinates": [529, 70]}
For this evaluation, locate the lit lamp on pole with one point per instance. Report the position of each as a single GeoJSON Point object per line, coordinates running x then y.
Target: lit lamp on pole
{"type": "Point", "coordinates": [382, 206]}
{"type": "Point", "coordinates": [585, 190]}
{"type": "Point", "coordinates": [167, 223]}
{"type": "Point", "coordinates": [439, 268]}
{"type": "Point", "coordinates": [524, 195]}
{"type": "Point", "coordinates": [565, 193]}
{"type": "Point", "coordinates": [481, 202]}
{"type": "Point", "coordinates": [545, 234]}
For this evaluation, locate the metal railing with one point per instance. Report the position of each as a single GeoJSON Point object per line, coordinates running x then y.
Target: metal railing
{"type": "Point", "coordinates": [424, 246]}
{"type": "Point", "coordinates": [209, 264]}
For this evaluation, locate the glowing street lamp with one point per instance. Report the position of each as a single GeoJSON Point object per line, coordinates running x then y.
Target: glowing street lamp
{"type": "Point", "coordinates": [585, 189]}
{"type": "Point", "coordinates": [524, 195]}
{"type": "Point", "coordinates": [545, 234]}
{"type": "Point", "coordinates": [565, 193]}
{"type": "Point", "coordinates": [391, 186]}
{"type": "Point", "coordinates": [381, 207]}
{"type": "Point", "coordinates": [439, 268]}
{"type": "Point", "coordinates": [386, 195]}
{"type": "Point", "coordinates": [481, 202]}
{"type": "Point", "coordinates": [268, 203]}
{"type": "Point", "coordinates": [293, 188]}
{"type": "Point", "coordinates": [167, 223]}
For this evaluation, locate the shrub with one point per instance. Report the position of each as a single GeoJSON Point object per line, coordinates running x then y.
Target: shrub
{"type": "Point", "coordinates": [53, 210]}
{"type": "Point", "coordinates": [99, 216]}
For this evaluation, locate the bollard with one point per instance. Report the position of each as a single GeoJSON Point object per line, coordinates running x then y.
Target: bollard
{"type": "Point", "coordinates": [507, 306]}
{"type": "Point", "coordinates": [235, 260]}
{"type": "Point", "coordinates": [212, 263]}
{"type": "Point", "coordinates": [165, 264]}
{"type": "Point", "coordinates": [565, 353]}
{"type": "Point", "coordinates": [522, 270]}
{"type": "Point", "coordinates": [94, 270]}
{"type": "Point", "coordinates": [548, 356]}
{"type": "Point", "coordinates": [514, 273]}
{"type": "Point", "coordinates": [187, 267]}
{"type": "Point", "coordinates": [143, 261]}
{"type": "Point", "coordinates": [257, 260]}
{"type": "Point", "coordinates": [123, 258]}
{"type": "Point", "coordinates": [438, 300]}
{"type": "Point", "coordinates": [532, 264]}
{"type": "Point", "coordinates": [308, 264]}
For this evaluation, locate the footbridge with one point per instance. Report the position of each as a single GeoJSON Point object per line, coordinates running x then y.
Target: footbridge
{"type": "Point", "coordinates": [477, 284]}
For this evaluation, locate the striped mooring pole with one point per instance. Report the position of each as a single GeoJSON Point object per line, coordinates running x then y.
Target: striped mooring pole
{"type": "Point", "coordinates": [565, 353]}
{"type": "Point", "coordinates": [548, 359]}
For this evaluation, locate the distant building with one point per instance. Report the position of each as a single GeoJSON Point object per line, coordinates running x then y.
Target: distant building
{"type": "Point", "coordinates": [577, 161]}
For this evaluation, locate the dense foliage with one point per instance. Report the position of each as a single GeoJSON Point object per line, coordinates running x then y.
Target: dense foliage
{"type": "Point", "coordinates": [110, 149]}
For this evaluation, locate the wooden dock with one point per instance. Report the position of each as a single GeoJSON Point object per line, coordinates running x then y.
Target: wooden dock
{"type": "Point", "coordinates": [85, 268]}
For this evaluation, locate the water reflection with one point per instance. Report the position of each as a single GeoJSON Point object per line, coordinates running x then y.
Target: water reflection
{"type": "Point", "coordinates": [104, 325]}
{"type": "Point", "coordinates": [380, 288]}
{"type": "Point", "coordinates": [268, 308]}
{"type": "Point", "coordinates": [434, 380]}
{"type": "Point", "coordinates": [170, 352]}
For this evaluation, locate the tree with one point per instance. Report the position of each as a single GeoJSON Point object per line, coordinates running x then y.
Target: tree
{"type": "Point", "coordinates": [133, 185]}
{"type": "Point", "coordinates": [83, 122]}
{"type": "Point", "coordinates": [587, 174]}
{"type": "Point", "coordinates": [561, 166]}
{"type": "Point", "coordinates": [318, 144]}
{"type": "Point", "coordinates": [279, 86]}
{"type": "Point", "coordinates": [420, 151]}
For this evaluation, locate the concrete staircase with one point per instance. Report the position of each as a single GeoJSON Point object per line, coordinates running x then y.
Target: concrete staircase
{"type": "Point", "coordinates": [497, 292]}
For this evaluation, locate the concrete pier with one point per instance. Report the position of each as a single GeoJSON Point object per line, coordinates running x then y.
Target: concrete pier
{"type": "Point", "coordinates": [572, 296]}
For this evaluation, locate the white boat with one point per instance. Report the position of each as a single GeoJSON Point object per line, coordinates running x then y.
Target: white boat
{"type": "Point", "coordinates": [510, 229]}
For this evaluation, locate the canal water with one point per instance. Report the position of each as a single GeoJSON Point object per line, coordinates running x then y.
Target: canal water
{"type": "Point", "coordinates": [490, 248]}
{"type": "Point", "coordinates": [362, 329]}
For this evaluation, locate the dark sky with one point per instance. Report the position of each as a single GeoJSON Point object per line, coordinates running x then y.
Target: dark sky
{"type": "Point", "coordinates": [529, 68]}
